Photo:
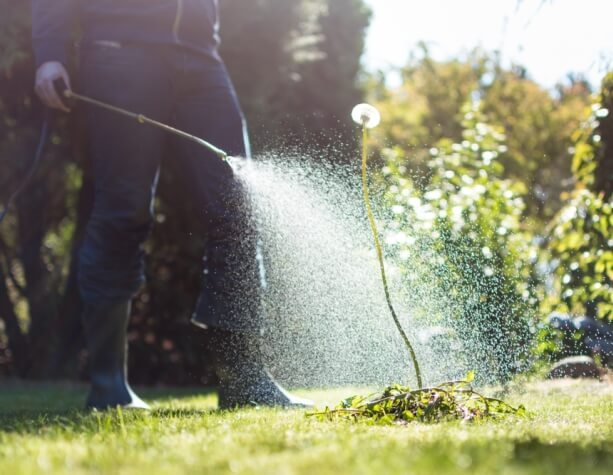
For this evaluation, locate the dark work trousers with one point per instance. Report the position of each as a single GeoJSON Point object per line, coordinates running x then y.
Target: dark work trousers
{"type": "Point", "coordinates": [194, 93]}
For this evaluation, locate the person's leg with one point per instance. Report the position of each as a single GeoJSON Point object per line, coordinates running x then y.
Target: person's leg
{"type": "Point", "coordinates": [125, 159]}
{"type": "Point", "coordinates": [230, 305]}
{"type": "Point", "coordinates": [206, 106]}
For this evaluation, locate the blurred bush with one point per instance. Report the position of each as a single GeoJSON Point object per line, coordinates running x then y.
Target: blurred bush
{"type": "Point", "coordinates": [468, 261]}
{"type": "Point", "coordinates": [581, 240]}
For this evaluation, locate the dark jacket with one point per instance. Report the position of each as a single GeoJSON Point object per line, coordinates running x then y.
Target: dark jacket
{"type": "Point", "coordinates": [190, 23]}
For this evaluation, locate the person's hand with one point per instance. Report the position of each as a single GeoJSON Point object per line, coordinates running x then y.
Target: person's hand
{"type": "Point", "coordinates": [46, 74]}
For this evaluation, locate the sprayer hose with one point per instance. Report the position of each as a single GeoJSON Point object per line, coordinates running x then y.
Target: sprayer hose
{"type": "Point", "coordinates": [40, 148]}
{"type": "Point", "coordinates": [375, 233]}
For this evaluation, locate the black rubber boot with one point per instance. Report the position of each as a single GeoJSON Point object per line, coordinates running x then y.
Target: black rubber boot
{"type": "Point", "coordinates": [243, 377]}
{"type": "Point", "coordinates": [233, 278]}
{"type": "Point", "coordinates": [105, 331]}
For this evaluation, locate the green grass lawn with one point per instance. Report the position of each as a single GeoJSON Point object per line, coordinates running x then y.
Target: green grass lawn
{"type": "Point", "coordinates": [569, 431]}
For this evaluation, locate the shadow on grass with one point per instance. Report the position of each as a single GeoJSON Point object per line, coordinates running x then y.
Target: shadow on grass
{"type": "Point", "coordinates": [35, 408]}
{"type": "Point", "coordinates": [563, 454]}
{"type": "Point", "coordinates": [82, 421]}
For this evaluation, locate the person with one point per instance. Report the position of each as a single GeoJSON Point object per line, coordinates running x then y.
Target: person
{"type": "Point", "coordinates": [159, 58]}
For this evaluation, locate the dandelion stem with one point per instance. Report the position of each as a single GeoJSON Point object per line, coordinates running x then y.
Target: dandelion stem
{"type": "Point", "coordinates": [375, 233]}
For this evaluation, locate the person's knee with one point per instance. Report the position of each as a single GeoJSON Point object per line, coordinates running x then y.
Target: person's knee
{"type": "Point", "coordinates": [111, 256]}
{"type": "Point", "coordinates": [121, 231]}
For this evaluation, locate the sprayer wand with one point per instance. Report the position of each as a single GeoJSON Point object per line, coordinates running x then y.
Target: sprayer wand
{"type": "Point", "coordinates": [368, 117]}
{"type": "Point", "coordinates": [63, 90]}
{"type": "Point", "coordinates": [67, 93]}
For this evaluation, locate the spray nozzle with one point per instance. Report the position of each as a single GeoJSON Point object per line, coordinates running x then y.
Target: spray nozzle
{"type": "Point", "coordinates": [366, 115]}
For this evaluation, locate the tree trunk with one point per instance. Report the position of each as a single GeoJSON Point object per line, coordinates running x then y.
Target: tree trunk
{"type": "Point", "coordinates": [17, 341]}
{"type": "Point", "coordinates": [604, 171]}
{"type": "Point", "coordinates": [39, 289]}
{"type": "Point", "coordinates": [64, 359]}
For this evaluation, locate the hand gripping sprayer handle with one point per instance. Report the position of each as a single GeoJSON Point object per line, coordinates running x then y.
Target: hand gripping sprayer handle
{"type": "Point", "coordinates": [67, 94]}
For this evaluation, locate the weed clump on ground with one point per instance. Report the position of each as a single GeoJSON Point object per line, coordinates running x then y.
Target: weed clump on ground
{"type": "Point", "coordinates": [454, 400]}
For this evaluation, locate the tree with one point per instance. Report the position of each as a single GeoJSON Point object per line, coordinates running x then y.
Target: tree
{"type": "Point", "coordinates": [581, 232]}
{"type": "Point", "coordinates": [298, 71]}
{"type": "Point", "coordinates": [36, 238]}
{"type": "Point", "coordinates": [538, 128]}
{"type": "Point", "coordinates": [327, 79]}
{"type": "Point", "coordinates": [427, 107]}
{"type": "Point", "coordinates": [257, 48]}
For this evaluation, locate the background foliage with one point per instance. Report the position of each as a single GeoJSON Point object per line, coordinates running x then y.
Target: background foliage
{"type": "Point", "coordinates": [582, 232]}
{"type": "Point", "coordinates": [538, 124]}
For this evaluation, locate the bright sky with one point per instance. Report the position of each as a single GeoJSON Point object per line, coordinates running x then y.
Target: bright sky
{"type": "Point", "coordinates": [549, 37]}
